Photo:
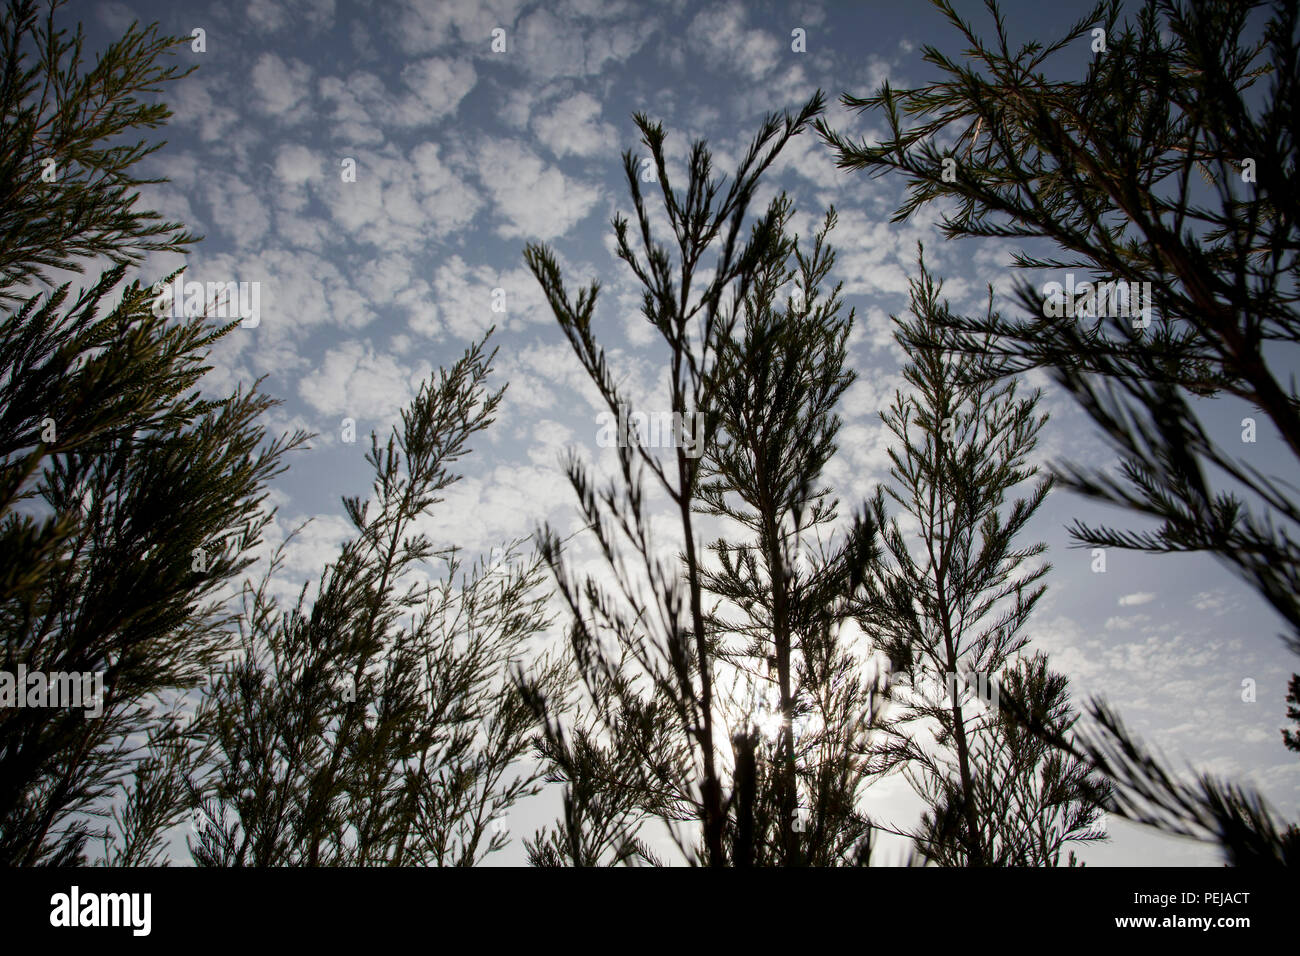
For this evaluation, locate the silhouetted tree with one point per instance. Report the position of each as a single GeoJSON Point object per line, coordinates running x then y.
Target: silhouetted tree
{"type": "Point", "coordinates": [379, 725]}
{"type": "Point", "coordinates": [1109, 170]}
{"type": "Point", "coordinates": [676, 663]}
{"type": "Point", "coordinates": [954, 603]}
{"type": "Point", "coordinates": [1291, 738]}
{"type": "Point", "coordinates": [127, 501]}
{"type": "Point", "coordinates": [1030, 798]}
{"type": "Point", "coordinates": [776, 386]}
{"type": "Point", "coordinates": [65, 180]}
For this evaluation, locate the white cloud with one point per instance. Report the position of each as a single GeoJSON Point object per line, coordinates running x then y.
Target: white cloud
{"type": "Point", "coordinates": [550, 46]}
{"type": "Point", "coordinates": [360, 102]}
{"type": "Point", "coordinates": [549, 436]}
{"type": "Point", "coordinates": [1133, 600]}
{"type": "Point", "coordinates": [393, 280]}
{"type": "Point", "coordinates": [1127, 623]}
{"type": "Point", "coordinates": [462, 300]}
{"type": "Point", "coordinates": [535, 200]}
{"type": "Point", "coordinates": [402, 202]}
{"type": "Point", "coordinates": [279, 86]}
{"type": "Point", "coordinates": [518, 106]}
{"type": "Point", "coordinates": [363, 104]}
{"type": "Point", "coordinates": [306, 555]}
{"type": "Point", "coordinates": [237, 210]}
{"type": "Point", "coordinates": [809, 14]}
{"type": "Point", "coordinates": [1215, 600]}
{"type": "Point", "coordinates": [300, 291]}
{"type": "Point", "coordinates": [438, 86]}
{"type": "Point", "coordinates": [446, 200]}
{"type": "Point", "coordinates": [356, 381]}
{"type": "Point", "coordinates": [480, 512]}
{"type": "Point", "coordinates": [296, 165]}
{"type": "Point", "coordinates": [722, 35]}
{"type": "Point", "coordinates": [420, 26]}
{"type": "Point", "coordinates": [549, 376]}
{"type": "Point", "coordinates": [274, 15]}
{"type": "Point", "coordinates": [192, 104]}
{"type": "Point", "coordinates": [116, 16]}
{"type": "Point", "coordinates": [814, 162]}
{"type": "Point", "coordinates": [574, 126]}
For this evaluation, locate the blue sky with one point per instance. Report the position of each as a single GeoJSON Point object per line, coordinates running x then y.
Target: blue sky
{"type": "Point", "coordinates": [464, 155]}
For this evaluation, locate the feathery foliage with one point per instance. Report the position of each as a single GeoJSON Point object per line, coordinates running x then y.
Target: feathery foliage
{"type": "Point", "coordinates": [775, 390]}
{"type": "Point", "coordinates": [66, 179]}
{"type": "Point", "coordinates": [379, 726]}
{"type": "Point", "coordinates": [127, 501]}
{"type": "Point", "coordinates": [954, 603]}
{"type": "Point", "coordinates": [1030, 798]}
{"type": "Point", "coordinates": [668, 682]}
{"type": "Point", "coordinates": [1171, 162]}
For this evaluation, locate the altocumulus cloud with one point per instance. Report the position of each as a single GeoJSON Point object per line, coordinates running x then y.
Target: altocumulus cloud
{"type": "Point", "coordinates": [533, 199]}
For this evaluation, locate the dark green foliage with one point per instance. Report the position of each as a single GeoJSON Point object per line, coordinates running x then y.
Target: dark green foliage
{"type": "Point", "coordinates": [54, 109]}
{"type": "Point", "coordinates": [956, 605]}
{"type": "Point", "coordinates": [1291, 738]}
{"type": "Point", "coordinates": [665, 679]}
{"type": "Point", "coordinates": [1145, 791]}
{"type": "Point", "coordinates": [1102, 168]}
{"type": "Point", "coordinates": [378, 724]}
{"type": "Point", "coordinates": [128, 501]}
{"type": "Point", "coordinates": [1030, 798]}
{"type": "Point", "coordinates": [717, 691]}
{"type": "Point", "coordinates": [153, 798]}
{"type": "Point", "coordinates": [777, 384]}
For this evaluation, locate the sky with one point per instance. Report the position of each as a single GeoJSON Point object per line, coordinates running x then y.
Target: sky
{"type": "Point", "coordinates": [463, 154]}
